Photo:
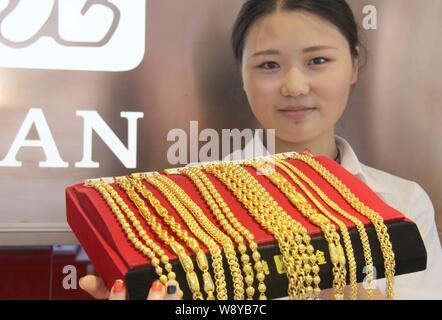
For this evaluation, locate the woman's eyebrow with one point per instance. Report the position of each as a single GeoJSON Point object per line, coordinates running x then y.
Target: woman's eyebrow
{"type": "Point", "coordinates": [305, 50]}
{"type": "Point", "coordinates": [265, 53]}
{"type": "Point", "coordinates": [318, 48]}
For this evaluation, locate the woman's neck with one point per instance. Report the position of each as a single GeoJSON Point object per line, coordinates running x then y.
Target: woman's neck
{"type": "Point", "coordinates": [324, 145]}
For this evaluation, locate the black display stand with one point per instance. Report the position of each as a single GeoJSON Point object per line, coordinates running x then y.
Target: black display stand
{"type": "Point", "coordinates": [408, 247]}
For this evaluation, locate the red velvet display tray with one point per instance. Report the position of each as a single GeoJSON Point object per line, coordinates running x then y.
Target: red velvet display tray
{"type": "Point", "coordinates": [114, 257]}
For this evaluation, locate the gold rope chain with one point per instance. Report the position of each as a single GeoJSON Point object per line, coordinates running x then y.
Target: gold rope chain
{"type": "Point", "coordinates": [359, 225]}
{"type": "Point", "coordinates": [185, 260]}
{"type": "Point", "coordinates": [149, 248]}
{"type": "Point", "coordinates": [293, 240]}
{"type": "Point", "coordinates": [206, 239]}
{"type": "Point", "coordinates": [233, 227]}
{"type": "Point", "coordinates": [192, 243]}
{"type": "Point", "coordinates": [375, 218]}
{"type": "Point", "coordinates": [336, 251]}
{"type": "Point", "coordinates": [215, 233]}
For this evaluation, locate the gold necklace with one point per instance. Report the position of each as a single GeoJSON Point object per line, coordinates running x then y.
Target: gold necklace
{"type": "Point", "coordinates": [186, 262]}
{"type": "Point", "coordinates": [375, 218]}
{"type": "Point", "coordinates": [336, 251]}
{"type": "Point", "coordinates": [192, 243]}
{"type": "Point", "coordinates": [293, 241]}
{"type": "Point", "coordinates": [149, 248]}
{"type": "Point", "coordinates": [215, 251]}
{"type": "Point", "coordinates": [359, 225]}
{"type": "Point", "coordinates": [216, 234]}
{"type": "Point", "coordinates": [233, 227]}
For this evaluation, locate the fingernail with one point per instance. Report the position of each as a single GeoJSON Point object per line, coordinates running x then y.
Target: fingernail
{"type": "Point", "coordinates": [118, 286]}
{"type": "Point", "coordinates": [157, 286]}
{"type": "Point", "coordinates": [171, 289]}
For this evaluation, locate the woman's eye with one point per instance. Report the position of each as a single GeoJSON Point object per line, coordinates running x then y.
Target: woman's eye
{"type": "Point", "coordinates": [269, 65]}
{"type": "Point", "coordinates": [318, 61]}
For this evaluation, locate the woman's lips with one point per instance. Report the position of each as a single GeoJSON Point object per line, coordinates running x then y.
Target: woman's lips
{"type": "Point", "coordinates": [297, 114]}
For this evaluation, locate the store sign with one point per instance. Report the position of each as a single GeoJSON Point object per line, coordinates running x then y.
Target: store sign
{"type": "Point", "coordinates": [95, 35]}
{"type": "Point", "coordinates": [92, 123]}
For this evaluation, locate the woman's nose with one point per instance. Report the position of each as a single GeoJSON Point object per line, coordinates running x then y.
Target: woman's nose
{"type": "Point", "coordinates": [295, 84]}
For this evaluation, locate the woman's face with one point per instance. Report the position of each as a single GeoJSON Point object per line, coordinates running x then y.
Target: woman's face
{"type": "Point", "coordinates": [297, 72]}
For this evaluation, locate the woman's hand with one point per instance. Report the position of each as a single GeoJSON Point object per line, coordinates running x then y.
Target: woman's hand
{"type": "Point", "coordinates": [96, 288]}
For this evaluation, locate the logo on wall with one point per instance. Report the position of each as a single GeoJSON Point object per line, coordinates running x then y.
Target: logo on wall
{"type": "Point", "coordinates": [96, 35]}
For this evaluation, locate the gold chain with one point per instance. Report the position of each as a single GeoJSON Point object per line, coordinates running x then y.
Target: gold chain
{"type": "Point", "coordinates": [215, 251]}
{"type": "Point", "coordinates": [233, 227]}
{"type": "Point", "coordinates": [293, 240]}
{"type": "Point", "coordinates": [336, 251]}
{"type": "Point", "coordinates": [375, 218]}
{"type": "Point", "coordinates": [216, 234]}
{"type": "Point", "coordinates": [185, 260]}
{"type": "Point", "coordinates": [359, 225]}
{"type": "Point", "coordinates": [192, 243]}
{"type": "Point", "coordinates": [149, 248]}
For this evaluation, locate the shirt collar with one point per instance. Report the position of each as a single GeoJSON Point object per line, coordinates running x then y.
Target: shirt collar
{"type": "Point", "coordinates": [349, 160]}
{"type": "Point", "coordinates": [351, 163]}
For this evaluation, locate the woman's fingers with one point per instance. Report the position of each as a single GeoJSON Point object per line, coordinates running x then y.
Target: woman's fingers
{"type": "Point", "coordinates": [118, 291]}
{"type": "Point", "coordinates": [95, 286]}
{"type": "Point", "coordinates": [173, 291]}
{"type": "Point", "coordinates": [157, 291]}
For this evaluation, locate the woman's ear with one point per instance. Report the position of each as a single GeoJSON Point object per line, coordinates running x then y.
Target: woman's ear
{"type": "Point", "coordinates": [355, 71]}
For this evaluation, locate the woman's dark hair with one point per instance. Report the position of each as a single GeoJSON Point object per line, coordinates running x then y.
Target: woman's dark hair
{"type": "Point", "coordinates": [337, 12]}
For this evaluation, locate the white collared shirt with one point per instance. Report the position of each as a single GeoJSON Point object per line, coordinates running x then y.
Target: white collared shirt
{"type": "Point", "coordinates": [410, 199]}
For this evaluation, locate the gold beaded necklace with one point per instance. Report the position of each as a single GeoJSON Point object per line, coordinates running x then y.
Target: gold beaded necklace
{"type": "Point", "coordinates": [216, 234]}
{"type": "Point", "coordinates": [192, 243]}
{"type": "Point", "coordinates": [375, 218]}
{"type": "Point", "coordinates": [215, 251]}
{"type": "Point", "coordinates": [233, 227]}
{"type": "Point", "coordinates": [186, 262]}
{"type": "Point", "coordinates": [336, 251]}
{"type": "Point", "coordinates": [359, 225]}
{"type": "Point", "coordinates": [149, 248]}
{"type": "Point", "coordinates": [293, 240]}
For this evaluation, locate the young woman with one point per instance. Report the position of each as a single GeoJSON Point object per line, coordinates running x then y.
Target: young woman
{"type": "Point", "coordinates": [299, 60]}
